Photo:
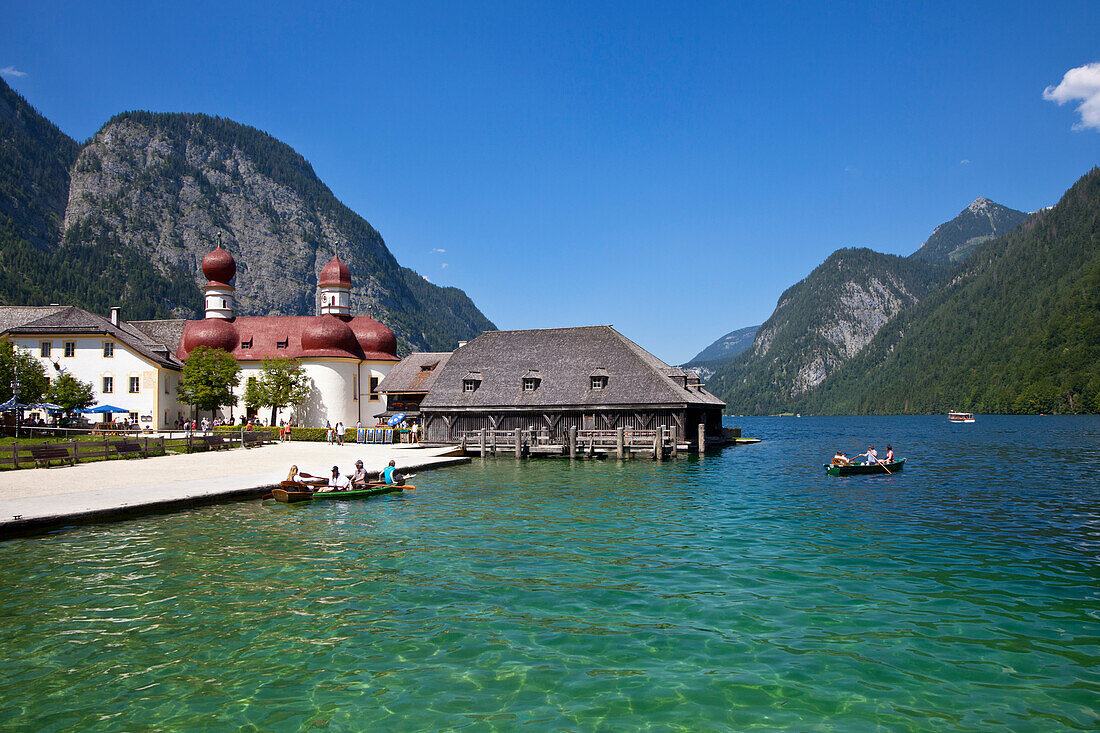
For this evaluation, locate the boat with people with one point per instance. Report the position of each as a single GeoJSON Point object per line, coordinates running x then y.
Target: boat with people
{"type": "Point", "coordinates": [292, 492]}
{"type": "Point", "coordinates": [858, 469]}
{"type": "Point", "coordinates": [960, 417]}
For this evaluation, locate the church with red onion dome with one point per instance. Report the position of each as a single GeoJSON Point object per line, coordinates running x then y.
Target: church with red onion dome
{"type": "Point", "coordinates": [345, 356]}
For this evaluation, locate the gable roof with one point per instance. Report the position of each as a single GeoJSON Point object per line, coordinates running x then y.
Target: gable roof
{"type": "Point", "coordinates": [67, 320]}
{"type": "Point", "coordinates": [14, 316]}
{"type": "Point", "coordinates": [411, 373]}
{"type": "Point", "coordinates": [566, 359]}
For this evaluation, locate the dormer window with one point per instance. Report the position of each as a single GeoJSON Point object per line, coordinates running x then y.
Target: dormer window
{"type": "Point", "coordinates": [531, 380]}
{"type": "Point", "coordinates": [282, 344]}
{"type": "Point", "coordinates": [246, 344]}
{"type": "Point", "coordinates": [598, 379]}
{"type": "Point", "coordinates": [471, 381]}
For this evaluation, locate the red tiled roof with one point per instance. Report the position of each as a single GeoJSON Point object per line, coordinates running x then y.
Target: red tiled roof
{"type": "Point", "coordinates": [257, 337]}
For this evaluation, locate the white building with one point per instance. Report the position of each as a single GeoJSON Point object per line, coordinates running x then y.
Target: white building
{"type": "Point", "coordinates": [126, 367]}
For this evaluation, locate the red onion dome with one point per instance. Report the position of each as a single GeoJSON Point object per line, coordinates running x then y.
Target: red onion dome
{"type": "Point", "coordinates": [327, 333]}
{"type": "Point", "coordinates": [216, 333]}
{"type": "Point", "coordinates": [219, 266]}
{"type": "Point", "coordinates": [335, 273]}
{"type": "Point", "coordinates": [373, 336]}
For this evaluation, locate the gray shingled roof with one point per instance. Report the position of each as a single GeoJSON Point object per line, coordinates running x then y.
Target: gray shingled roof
{"type": "Point", "coordinates": [72, 320]}
{"type": "Point", "coordinates": [14, 316]}
{"type": "Point", "coordinates": [566, 359]}
{"type": "Point", "coordinates": [409, 374]}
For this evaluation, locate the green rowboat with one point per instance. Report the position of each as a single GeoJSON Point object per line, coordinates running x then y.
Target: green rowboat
{"type": "Point", "coordinates": [291, 496]}
{"type": "Point", "coordinates": [858, 469]}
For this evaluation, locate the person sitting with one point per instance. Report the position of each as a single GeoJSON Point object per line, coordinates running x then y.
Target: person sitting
{"type": "Point", "coordinates": [840, 459]}
{"type": "Point", "coordinates": [337, 482]}
{"type": "Point", "coordinates": [889, 454]}
{"type": "Point", "coordinates": [872, 456]}
{"type": "Point", "coordinates": [391, 476]}
{"type": "Point", "coordinates": [293, 475]}
{"type": "Point", "coordinates": [359, 478]}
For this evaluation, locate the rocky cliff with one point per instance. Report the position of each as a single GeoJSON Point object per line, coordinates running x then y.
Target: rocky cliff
{"type": "Point", "coordinates": [819, 324]}
{"type": "Point", "coordinates": [171, 186]}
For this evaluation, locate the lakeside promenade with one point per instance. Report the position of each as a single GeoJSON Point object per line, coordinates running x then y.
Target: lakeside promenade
{"type": "Point", "coordinates": [36, 500]}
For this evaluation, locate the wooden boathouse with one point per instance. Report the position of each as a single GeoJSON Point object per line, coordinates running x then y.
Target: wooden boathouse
{"type": "Point", "coordinates": [564, 391]}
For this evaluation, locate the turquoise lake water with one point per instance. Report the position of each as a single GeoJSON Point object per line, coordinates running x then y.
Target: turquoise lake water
{"type": "Point", "coordinates": [745, 590]}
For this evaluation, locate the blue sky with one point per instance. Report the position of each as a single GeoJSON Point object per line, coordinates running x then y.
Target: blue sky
{"type": "Point", "coordinates": [667, 169]}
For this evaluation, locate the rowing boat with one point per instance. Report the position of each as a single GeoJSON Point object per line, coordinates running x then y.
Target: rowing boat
{"type": "Point", "coordinates": [291, 495]}
{"type": "Point", "coordinates": [857, 469]}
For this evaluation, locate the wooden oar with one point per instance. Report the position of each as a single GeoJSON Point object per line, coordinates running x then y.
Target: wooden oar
{"type": "Point", "coordinates": [884, 468]}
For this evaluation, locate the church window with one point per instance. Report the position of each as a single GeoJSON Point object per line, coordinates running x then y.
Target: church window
{"type": "Point", "coordinates": [44, 348]}
{"type": "Point", "coordinates": [70, 349]}
{"type": "Point", "coordinates": [354, 386]}
{"type": "Point", "coordinates": [374, 396]}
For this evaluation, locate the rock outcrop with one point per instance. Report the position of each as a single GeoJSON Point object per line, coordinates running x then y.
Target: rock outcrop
{"type": "Point", "coordinates": [171, 186]}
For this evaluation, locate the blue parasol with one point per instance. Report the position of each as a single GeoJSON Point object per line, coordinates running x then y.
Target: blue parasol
{"type": "Point", "coordinates": [105, 409]}
{"type": "Point", "coordinates": [396, 419]}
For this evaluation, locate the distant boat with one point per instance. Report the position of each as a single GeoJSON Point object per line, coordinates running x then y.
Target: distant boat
{"type": "Point", "coordinates": [960, 416]}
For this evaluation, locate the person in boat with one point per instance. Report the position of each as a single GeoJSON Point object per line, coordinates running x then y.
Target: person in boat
{"type": "Point", "coordinates": [391, 476]}
{"type": "Point", "coordinates": [871, 455]}
{"type": "Point", "coordinates": [293, 475]}
{"type": "Point", "coordinates": [336, 482]}
{"type": "Point", "coordinates": [840, 459]}
{"type": "Point", "coordinates": [889, 454]}
{"type": "Point", "coordinates": [359, 478]}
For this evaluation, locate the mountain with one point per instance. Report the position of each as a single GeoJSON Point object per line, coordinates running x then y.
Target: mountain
{"type": "Point", "coordinates": [818, 324]}
{"type": "Point", "coordinates": [722, 351]}
{"type": "Point", "coordinates": [727, 347]}
{"type": "Point", "coordinates": [35, 158]}
{"type": "Point", "coordinates": [126, 219]}
{"type": "Point", "coordinates": [1016, 329]}
{"type": "Point", "coordinates": [951, 242]}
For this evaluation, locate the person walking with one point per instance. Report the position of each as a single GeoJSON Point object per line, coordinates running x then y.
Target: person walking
{"type": "Point", "coordinates": [329, 434]}
{"type": "Point", "coordinates": [339, 432]}
{"type": "Point", "coordinates": [416, 432]}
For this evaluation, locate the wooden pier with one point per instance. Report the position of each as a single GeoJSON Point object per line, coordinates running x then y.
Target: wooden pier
{"type": "Point", "coordinates": [620, 443]}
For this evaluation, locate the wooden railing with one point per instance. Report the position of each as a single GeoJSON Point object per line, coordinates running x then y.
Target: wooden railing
{"type": "Point", "coordinates": [520, 441]}
{"type": "Point", "coordinates": [71, 452]}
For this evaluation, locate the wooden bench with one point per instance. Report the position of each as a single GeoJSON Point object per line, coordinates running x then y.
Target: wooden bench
{"type": "Point", "coordinates": [47, 453]}
{"type": "Point", "coordinates": [253, 438]}
{"type": "Point", "coordinates": [126, 447]}
{"type": "Point", "coordinates": [213, 441]}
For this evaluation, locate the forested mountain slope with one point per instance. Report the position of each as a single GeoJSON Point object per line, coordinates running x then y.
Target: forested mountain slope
{"type": "Point", "coordinates": [723, 351]}
{"type": "Point", "coordinates": [952, 241]}
{"type": "Point", "coordinates": [820, 323]}
{"type": "Point", "coordinates": [170, 186]}
{"type": "Point", "coordinates": [1016, 329]}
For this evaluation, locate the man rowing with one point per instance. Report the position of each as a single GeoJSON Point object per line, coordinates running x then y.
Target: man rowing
{"type": "Point", "coordinates": [337, 482]}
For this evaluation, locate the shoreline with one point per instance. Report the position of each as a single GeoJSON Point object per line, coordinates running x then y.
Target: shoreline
{"type": "Point", "coordinates": [38, 500]}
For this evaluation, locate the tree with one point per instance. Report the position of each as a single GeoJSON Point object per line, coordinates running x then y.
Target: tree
{"type": "Point", "coordinates": [253, 395]}
{"type": "Point", "coordinates": [71, 394]}
{"type": "Point", "coordinates": [282, 383]}
{"type": "Point", "coordinates": [208, 378]}
{"type": "Point", "coordinates": [33, 381]}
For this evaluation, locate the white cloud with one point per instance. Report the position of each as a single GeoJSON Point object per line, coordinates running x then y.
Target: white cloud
{"type": "Point", "coordinates": [443, 266]}
{"type": "Point", "coordinates": [964, 161]}
{"type": "Point", "coordinates": [426, 278]}
{"type": "Point", "coordinates": [11, 71]}
{"type": "Point", "coordinates": [437, 251]}
{"type": "Point", "coordinates": [1081, 83]}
